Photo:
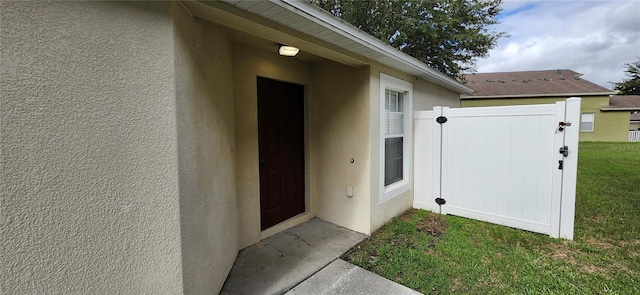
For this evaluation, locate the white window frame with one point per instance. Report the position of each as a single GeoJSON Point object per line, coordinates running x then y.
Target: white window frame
{"type": "Point", "coordinates": [400, 187]}
{"type": "Point", "coordinates": [593, 122]}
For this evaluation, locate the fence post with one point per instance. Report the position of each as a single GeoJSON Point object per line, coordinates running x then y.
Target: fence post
{"type": "Point", "coordinates": [556, 190]}
{"type": "Point", "coordinates": [423, 161]}
{"type": "Point", "coordinates": [570, 169]}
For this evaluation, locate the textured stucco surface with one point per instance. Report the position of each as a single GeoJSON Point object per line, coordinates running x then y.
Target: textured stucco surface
{"type": "Point", "coordinates": [206, 147]}
{"type": "Point", "coordinates": [429, 95]}
{"type": "Point", "coordinates": [248, 64]}
{"type": "Point", "coordinates": [88, 178]}
{"type": "Point", "coordinates": [340, 120]}
{"type": "Point", "coordinates": [129, 147]}
{"type": "Point", "coordinates": [609, 126]}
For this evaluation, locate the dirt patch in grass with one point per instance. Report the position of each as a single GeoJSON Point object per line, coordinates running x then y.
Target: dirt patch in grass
{"type": "Point", "coordinates": [581, 257]}
{"type": "Point", "coordinates": [564, 253]}
{"type": "Point", "coordinates": [432, 225]}
{"type": "Point", "coordinates": [455, 284]}
{"type": "Point", "coordinates": [595, 219]}
{"type": "Point", "coordinates": [627, 243]}
{"type": "Point", "coordinates": [590, 269]}
{"type": "Point", "coordinates": [605, 244]}
{"type": "Point", "coordinates": [402, 240]}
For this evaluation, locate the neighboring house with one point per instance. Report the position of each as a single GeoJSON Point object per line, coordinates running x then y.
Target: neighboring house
{"type": "Point", "coordinates": [144, 144]}
{"type": "Point", "coordinates": [634, 124]}
{"type": "Point", "coordinates": [629, 104]}
{"type": "Point", "coordinates": [542, 87]}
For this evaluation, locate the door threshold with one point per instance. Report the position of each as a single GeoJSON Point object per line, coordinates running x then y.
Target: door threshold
{"type": "Point", "coordinates": [289, 223]}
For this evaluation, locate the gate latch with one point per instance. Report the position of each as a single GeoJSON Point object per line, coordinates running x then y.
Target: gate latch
{"type": "Point", "coordinates": [562, 124]}
{"type": "Point", "coordinates": [564, 150]}
{"type": "Point", "coordinates": [560, 164]}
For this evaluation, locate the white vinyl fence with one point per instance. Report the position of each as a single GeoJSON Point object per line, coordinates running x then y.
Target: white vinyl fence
{"type": "Point", "coordinates": [505, 165]}
{"type": "Point", "coordinates": [634, 136]}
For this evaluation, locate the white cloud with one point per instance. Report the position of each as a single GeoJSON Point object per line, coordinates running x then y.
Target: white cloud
{"type": "Point", "coordinates": [595, 38]}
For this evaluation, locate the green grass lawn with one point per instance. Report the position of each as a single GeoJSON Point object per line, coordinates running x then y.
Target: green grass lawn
{"type": "Point", "coordinates": [440, 254]}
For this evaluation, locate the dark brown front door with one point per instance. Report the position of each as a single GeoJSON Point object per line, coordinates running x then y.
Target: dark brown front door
{"type": "Point", "coordinates": [281, 144]}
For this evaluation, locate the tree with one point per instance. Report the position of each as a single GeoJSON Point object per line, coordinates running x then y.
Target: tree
{"type": "Point", "coordinates": [448, 35]}
{"type": "Point", "coordinates": [631, 85]}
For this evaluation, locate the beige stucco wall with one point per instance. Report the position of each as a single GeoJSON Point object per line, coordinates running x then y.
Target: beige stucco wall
{"type": "Point", "coordinates": [425, 96]}
{"type": "Point", "coordinates": [340, 132]}
{"type": "Point", "coordinates": [207, 152]}
{"type": "Point", "coordinates": [248, 64]}
{"type": "Point", "coordinates": [130, 147]}
{"type": "Point", "coordinates": [609, 126]}
{"type": "Point", "coordinates": [88, 178]}
{"type": "Point", "coordinates": [429, 95]}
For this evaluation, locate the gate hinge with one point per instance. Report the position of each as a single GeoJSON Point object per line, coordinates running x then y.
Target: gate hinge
{"type": "Point", "coordinates": [441, 120]}
{"type": "Point", "coordinates": [562, 124]}
{"type": "Point", "coordinates": [440, 201]}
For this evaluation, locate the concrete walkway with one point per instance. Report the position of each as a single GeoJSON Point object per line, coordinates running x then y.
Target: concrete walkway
{"type": "Point", "coordinates": [304, 260]}
{"type": "Point", "coordinates": [341, 277]}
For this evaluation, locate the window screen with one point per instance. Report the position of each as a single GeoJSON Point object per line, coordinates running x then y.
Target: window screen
{"type": "Point", "coordinates": [392, 160]}
{"type": "Point", "coordinates": [587, 122]}
{"type": "Point", "coordinates": [394, 136]}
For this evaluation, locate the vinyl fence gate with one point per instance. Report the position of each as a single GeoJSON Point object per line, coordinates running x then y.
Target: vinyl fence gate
{"type": "Point", "coordinates": [513, 165]}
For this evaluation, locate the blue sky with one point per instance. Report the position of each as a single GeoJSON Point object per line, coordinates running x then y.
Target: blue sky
{"type": "Point", "coordinates": [595, 38]}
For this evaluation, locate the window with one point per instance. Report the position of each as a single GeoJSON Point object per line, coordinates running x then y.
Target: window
{"type": "Point", "coordinates": [587, 121]}
{"type": "Point", "coordinates": [393, 136]}
{"type": "Point", "coordinates": [396, 137]}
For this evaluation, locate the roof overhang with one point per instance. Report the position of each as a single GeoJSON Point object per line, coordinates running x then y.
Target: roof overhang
{"type": "Point", "coordinates": [533, 95]}
{"type": "Point", "coordinates": [319, 32]}
{"type": "Point", "coordinates": [613, 109]}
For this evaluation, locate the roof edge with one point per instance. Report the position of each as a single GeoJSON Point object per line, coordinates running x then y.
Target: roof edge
{"type": "Point", "coordinates": [327, 20]}
{"type": "Point", "coordinates": [534, 95]}
{"type": "Point", "coordinates": [613, 109]}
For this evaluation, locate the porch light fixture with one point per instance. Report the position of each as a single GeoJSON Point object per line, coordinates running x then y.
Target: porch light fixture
{"type": "Point", "coordinates": [288, 50]}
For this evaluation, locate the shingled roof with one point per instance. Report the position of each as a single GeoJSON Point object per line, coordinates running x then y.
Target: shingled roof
{"type": "Point", "coordinates": [626, 102]}
{"type": "Point", "coordinates": [531, 84]}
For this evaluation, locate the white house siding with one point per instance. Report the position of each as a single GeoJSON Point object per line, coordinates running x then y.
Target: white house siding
{"type": "Point", "coordinates": [206, 152]}
{"type": "Point", "coordinates": [88, 178]}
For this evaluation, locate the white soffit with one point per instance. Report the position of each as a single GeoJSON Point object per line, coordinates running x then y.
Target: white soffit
{"type": "Point", "coordinates": [243, 22]}
{"type": "Point", "coordinates": [311, 20]}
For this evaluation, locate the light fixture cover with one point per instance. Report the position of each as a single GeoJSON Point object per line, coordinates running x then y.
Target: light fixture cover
{"type": "Point", "coordinates": [288, 50]}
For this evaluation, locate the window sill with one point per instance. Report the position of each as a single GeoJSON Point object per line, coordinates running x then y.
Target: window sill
{"type": "Point", "coordinates": [394, 190]}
